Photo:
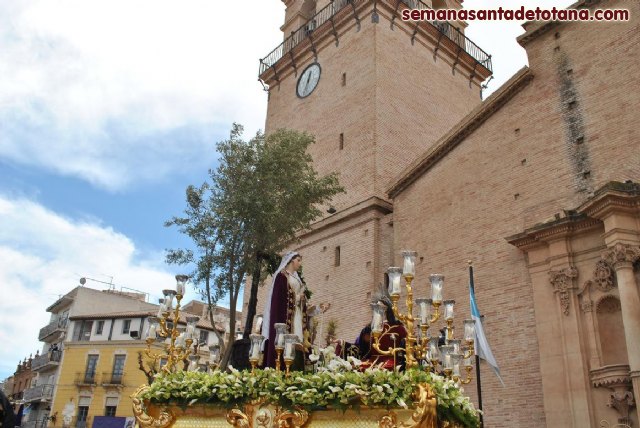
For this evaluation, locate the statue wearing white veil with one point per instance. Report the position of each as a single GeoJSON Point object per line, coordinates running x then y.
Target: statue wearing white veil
{"type": "Point", "coordinates": [286, 303]}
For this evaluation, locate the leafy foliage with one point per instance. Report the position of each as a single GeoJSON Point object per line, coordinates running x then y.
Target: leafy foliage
{"type": "Point", "coordinates": [263, 192]}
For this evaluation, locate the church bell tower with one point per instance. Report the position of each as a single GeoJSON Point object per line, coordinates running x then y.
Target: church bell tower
{"type": "Point", "coordinates": [376, 92]}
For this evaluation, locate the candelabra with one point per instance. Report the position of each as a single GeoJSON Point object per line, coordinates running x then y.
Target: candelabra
{"type": "Point", "coordinates": [178, 345]}
{"type": "Point", "coordinates": [419, 348]}
{"type": "Point", "coordinates": [285, 345]}
{"type": "Point", "coordinates": [214, 357]}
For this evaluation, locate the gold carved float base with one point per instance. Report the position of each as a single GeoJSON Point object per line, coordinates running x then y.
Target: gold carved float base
{"type": "Point", "coordinates": [260, 415]}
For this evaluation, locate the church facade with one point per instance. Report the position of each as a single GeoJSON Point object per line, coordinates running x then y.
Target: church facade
{"type": "Point", "coordinates": [537, 185]}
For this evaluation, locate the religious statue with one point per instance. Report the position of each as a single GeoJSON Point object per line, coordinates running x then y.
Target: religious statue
{"type": "Point", "coordinates": [393, 336]}
{"type": "Point", "coordinates": [286, 303]}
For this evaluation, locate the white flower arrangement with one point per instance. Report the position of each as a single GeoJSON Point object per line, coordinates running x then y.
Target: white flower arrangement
{"type": "Point", "coordinates": [336, 385]}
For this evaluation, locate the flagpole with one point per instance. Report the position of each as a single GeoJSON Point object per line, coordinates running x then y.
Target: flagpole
{"type": "Point", "coordinates": [478, 383]}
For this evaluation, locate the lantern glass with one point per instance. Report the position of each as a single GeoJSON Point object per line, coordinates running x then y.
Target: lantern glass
{"type": "Point", "coordinates": [152, 329]}
{"type": "Point", "coordinates": [162, 309]}
{"type": "Point", "coordinates": [425, 310]}
{"type": "Point", "coordinates": [290, 341]}
{"type": "Point", "coordinates": [395, 274]}
{"type": "Point", "coordinates": [190, 333]}
{"type": "Point", "coordinates": [434, 351]}
{"type": "Point", "coordinates": [377, 321]}
{"type": "Point", "coordinates": [193, 363]}
{"type": "Point", "coordinates": [448, 309]}
{"type": "Point", "coordinates": [281, 330]}
{"type": "Point", "coordinates": [409, 268]}
{"type": "Point", "coordinates": [168, 299]}
{"type": "Point", "coordinates": [256, 343]}
{"type": "Point", "coordinates": [469, 330]}
{"type": "Point", "coordinates": [437, 282]}
{"type": "Point", "coordinates": [181, 282]}
{"type": "Point", "coordinates": [446, 352]}
{"type": "Point", "coordinates": [468, 362]}
{"type": "Point", "coordinates": [179, 343]}
{"type": "Point", "coordinates": [456, 345]}
{"type": "Point", "coordinates": [456, 359]}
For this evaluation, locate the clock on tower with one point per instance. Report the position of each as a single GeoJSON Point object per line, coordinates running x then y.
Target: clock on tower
{"type": "Point", "coordinates": [375, 91]}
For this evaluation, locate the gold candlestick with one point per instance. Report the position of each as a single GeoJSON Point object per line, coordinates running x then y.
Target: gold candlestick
{"type": "Point", "coordinates": [468, 379]}
{"type": "Point", "coordinates": [278, 355]}
{"type": "Point", "coordinates": [287, 364]}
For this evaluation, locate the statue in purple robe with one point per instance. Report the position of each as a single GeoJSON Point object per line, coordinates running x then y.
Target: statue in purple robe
{"type": "Point", "coordinates": [286, 303]}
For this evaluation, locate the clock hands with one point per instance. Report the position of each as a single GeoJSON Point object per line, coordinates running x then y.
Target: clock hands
{"type": "Point", "coordinates": [306, 85]}
{"type": "Point", "coordinates": [308, 80]}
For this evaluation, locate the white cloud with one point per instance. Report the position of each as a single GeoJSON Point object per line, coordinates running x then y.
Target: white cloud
{"type": "Point", "coordinates": [498, 38]}
{"type": "Point", "coordinates": [42, 256]}
{"type": "Point", "coordinates": [112, 88]}
{"type": "Point", "coordinates": [115, 92]}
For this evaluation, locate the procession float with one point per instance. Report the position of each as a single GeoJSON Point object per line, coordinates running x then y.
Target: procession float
{"type": "Point", "coordinates": [421, 388]}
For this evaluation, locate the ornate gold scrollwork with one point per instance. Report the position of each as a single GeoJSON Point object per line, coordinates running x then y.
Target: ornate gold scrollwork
{"type": "Point", "coordinates": [144, 420]}
{"type": "Point", "coordinates": [263, 418]}
{"type": "Point", "coordinates": [424, 416]}
{"type": "Point", "coordinates": [238, 419]}
{"type": "Point", "coordinates": [291, 419]}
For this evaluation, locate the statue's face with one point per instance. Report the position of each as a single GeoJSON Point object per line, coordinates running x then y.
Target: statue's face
{"type": "Point", "coordinates": [296, 262]}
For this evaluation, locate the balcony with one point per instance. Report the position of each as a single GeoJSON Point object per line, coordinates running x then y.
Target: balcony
{"type": "Point", "coordinates": [42, 392]}
{"type": "Point", "coordinates": [324, 22]}
{"type": "Point", "coordinates": [112, 379]}
{"type": "Point", "coordinates": [53, 331]}
{"type": "Point", "coordinates": [46, 361]}
{"type": "Point", "coordinates": [86, 378]}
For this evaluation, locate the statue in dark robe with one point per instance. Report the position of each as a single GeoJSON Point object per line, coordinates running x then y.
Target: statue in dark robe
{"type": "Point", "coordinates": [287, 303]}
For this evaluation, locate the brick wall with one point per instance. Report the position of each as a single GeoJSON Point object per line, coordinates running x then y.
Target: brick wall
{"type": "Point", "coordinates": [519, 168]}
{"type": "Point", "coordinates": [390, 99]}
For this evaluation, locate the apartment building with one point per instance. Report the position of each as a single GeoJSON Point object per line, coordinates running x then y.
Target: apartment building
{"type": "Point", "coordinates": [88, 365]}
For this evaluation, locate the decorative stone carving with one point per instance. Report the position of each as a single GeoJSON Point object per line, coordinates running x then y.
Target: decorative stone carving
{"type": "Point", "coordinates": [621, 254]}
{"type": "Point", "coordinates": [587, 306]}
{"type": "Point", "coordinates": [603, 276]}
{"type": "Point", "coordinates": [563, 283]}
{"type": "Point", "coordinates": [622, 401]}
{"type": "Point", "coordinates": [617, 379]}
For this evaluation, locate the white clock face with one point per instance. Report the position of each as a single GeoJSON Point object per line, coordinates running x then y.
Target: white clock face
{"type": "Point", "coordinates": [308, 80]}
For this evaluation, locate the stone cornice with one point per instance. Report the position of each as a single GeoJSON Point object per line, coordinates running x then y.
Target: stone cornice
{"type": "Point", "coordinates": [372, 204]}
{"type": "Point", "coordinates": [610, 376]}
{"type": "Point", "coordinates": [613, 197]}
{"type": "Point", "coordinates": [540, 234]}
{"type": "Point", "coordinates": [462, 130]}
{"type": "Point", "coordinates": [535, 29]}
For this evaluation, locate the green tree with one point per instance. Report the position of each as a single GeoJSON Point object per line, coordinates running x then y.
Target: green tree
{"type": "Point", "coordinates": [199, 224]}
{"type": "Point", "coordinates": [262, 194]}
{"type": "Point", "coordinates": [285, 200]}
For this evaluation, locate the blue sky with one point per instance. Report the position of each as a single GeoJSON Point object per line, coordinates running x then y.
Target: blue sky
{"type": "Point", "coordinates": [108, 110]}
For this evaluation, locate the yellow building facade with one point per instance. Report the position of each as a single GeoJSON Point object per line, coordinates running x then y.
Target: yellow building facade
{"type": "Point", "coordinates": [101, 368]}
{"type": "Point", "coordinates": [97, 379]}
